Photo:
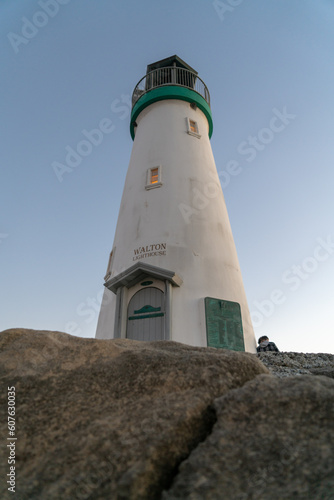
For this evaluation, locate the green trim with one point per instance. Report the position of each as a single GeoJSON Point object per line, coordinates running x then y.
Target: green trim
{"type": "Point", "coordinates": [156, 315]}
{"type": "Point", "coordinates": [170, 92]}
{"type": "Point", "coordinates": [147, 309]}
{"type": "Point", "coordinates": [146, 283]}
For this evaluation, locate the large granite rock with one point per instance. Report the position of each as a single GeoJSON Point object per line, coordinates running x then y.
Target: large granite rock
{"type": "Point", "coordinates": [109, 419]}
{"type": "Point", "coordinates": [273, 440]}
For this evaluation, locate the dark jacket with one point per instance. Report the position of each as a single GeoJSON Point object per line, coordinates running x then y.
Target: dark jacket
{"type": "Point", "coordinates": [267, 346]}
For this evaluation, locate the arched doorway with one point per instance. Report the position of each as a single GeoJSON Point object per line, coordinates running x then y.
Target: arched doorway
{"type": "Point", "coordinates": [146, 315]}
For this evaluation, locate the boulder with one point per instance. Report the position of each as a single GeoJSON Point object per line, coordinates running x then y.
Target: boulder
{"type": "Point", "coordinates": [109, 419]}
{"type": "Point", "coordinates": [273, 440]}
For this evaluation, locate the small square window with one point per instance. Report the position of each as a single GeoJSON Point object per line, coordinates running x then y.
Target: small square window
{"type": "Point", "coordinates": [192, 128]}
{"type": "Point", "coordinates": [153, 177]}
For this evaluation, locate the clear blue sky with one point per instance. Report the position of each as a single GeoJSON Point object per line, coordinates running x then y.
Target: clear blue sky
{"type": "Point", "coordinates": [79, 66]}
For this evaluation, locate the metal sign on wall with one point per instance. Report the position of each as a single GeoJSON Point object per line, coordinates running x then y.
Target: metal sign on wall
{"type": "Point", "coordinates": [224, 324]}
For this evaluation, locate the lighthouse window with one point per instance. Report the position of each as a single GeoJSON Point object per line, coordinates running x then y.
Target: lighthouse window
{"type": "Point", "coordinates": [153, 177]}
{"type": "Point", "coordinates": [111, 258]}
{"type": "Point", "coordinates": [192, 128]}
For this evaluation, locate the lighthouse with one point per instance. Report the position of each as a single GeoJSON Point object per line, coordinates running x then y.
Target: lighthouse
{"type": "Point", "coordinates": [173, 271]}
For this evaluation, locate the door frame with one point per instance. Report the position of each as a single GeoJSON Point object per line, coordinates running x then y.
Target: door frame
{"type": "Point", "coordinates": [127, 283]}
{"type": "Point", "coordinates": [124, 296]}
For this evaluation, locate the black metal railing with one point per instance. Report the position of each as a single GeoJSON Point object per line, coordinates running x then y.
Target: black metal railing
{"type": "Point", "coordinates": [170, 76]}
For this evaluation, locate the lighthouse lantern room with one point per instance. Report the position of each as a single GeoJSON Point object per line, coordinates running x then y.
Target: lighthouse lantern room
{"type": "Point", "coordinates": [173, 272]}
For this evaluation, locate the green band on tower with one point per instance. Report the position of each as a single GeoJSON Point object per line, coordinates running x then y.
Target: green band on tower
{"type": "Point", "coordinates": [170, 92]}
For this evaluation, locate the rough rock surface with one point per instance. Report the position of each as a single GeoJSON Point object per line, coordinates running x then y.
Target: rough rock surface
{"type": "Point", "coordinates": [108, 419]}
{"type": "Point", "coordinates": [273, 440]}
{"type": "Point", "coordinates": [287, 364]}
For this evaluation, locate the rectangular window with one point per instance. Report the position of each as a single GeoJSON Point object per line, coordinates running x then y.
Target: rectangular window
{"type": "Point", "coordinates": [192, 128]}
{"type": "Point", "coordinates": [153, 177]}
{"type": "Point", "coordinates": [111, 258]}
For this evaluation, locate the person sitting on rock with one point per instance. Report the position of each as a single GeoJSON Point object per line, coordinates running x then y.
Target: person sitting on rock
{"type": "Point", "coordinates": [265, 345]}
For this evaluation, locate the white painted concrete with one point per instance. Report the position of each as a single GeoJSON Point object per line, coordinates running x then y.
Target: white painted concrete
{"type": "Point", "coordinates": [187, 213]}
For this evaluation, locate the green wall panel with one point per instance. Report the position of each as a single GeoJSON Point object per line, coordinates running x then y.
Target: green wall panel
{"type": "Point", "coordinates": [224, 324]}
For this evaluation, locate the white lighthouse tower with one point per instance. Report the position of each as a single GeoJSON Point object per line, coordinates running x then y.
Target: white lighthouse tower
{"type": "Point", "coordinates": [173, 272]}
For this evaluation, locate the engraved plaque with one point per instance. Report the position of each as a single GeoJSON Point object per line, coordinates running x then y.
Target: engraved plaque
{"type": "Point", "coordinates": [224, 324]}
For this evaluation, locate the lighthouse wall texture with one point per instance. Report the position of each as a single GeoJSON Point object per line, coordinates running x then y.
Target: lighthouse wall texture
{"type": "Point", "coordinates": [181, 226]}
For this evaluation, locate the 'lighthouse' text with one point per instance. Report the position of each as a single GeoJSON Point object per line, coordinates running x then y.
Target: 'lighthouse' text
{"type": "Point", "coordinates": [149, 251]}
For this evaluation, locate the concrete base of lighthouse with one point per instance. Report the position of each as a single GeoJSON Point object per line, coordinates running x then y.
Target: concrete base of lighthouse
{"type": "Point", "coordinates": [142, 304]}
